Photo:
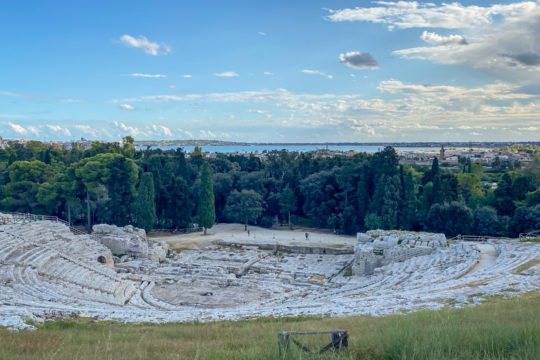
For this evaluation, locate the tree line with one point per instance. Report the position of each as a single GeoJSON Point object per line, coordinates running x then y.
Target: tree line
{"type": "Point", "coordinates": [152, 188]}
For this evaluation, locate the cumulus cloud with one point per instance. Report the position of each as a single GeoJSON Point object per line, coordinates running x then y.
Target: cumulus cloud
{"type": "Point", "coordinates": [502, 39]}
{"type": "Point", "coordinates": [148, 75]}
{"type": "Point", "coordinates": [162, 130]}
{"type": "Point", "coordinates": [411, 14]}
{"type": "Point", "coordinates": [317, 72]}
{"type": "Point", "coordinates": [149, 47]}
{"type": "Point", "coordinates": [127, 107]}
{"type": "Point", "coordinates": [226, 74]}
{"type": "Point", "coordinates": [434, 38]}
{"type": "Point", "coordinates": [131, 130]}
{"type": "Point", "coordinates": [87, 129]}
{"type": "Point", "coordinates": [413, 111]}
{"type": "Point", "coordinates": [207, 134]}
{"type": "Point", "coordinates": [358, 60]}
{"type": "Point", "coordinates": [33, 130]}
{"type": "Point", "coordinates": [56, 128]}
{"type": "Point", "coordinates": [17, 128]}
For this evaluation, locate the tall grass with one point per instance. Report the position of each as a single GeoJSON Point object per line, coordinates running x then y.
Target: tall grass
{"type": "Point", "coordinates": [498, 329]}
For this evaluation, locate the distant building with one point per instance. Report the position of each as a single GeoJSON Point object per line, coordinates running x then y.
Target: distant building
{"type": "Point", "coordinates": [441, 154]}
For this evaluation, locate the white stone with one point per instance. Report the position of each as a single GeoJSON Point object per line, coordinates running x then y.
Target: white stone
{"type": "Point", "coordinates": [122, 240]}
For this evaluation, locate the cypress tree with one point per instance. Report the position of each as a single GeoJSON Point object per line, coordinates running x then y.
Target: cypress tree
{"type": "Point", "coordinates": [145, 207]}
{"type": "Point", "coordinates": [206, 212]}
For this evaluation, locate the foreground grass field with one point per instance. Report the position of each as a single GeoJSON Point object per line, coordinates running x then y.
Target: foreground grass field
{"type": "Point", "coordinates": [498, 329]}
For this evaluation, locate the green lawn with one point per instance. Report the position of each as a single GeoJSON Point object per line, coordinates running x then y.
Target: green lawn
{"type": "Point", "coordinates": [498, 329]}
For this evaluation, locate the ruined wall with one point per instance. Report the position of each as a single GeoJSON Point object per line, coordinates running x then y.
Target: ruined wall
{"type": "Point", "coordinates": [377, 248]}
{"type": "Point", "coordinates": [126, 240]}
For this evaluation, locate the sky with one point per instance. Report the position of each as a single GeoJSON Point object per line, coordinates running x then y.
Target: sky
{"type": "Point", "coordinates": [270, 71]}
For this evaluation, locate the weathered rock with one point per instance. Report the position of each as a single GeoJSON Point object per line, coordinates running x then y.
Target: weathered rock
{"type": "Point", "coordinates": [157, 251]}
{"type": "Point", "coordinates": [126, 240]}
{"type": "Point", "coordinates": [377, 248]}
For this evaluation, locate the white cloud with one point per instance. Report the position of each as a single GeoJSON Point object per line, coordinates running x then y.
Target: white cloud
{"type": "Point", "coordinates": [186, 76]}
{"type": "Point", "coordinates": [317, 72]}
{"type": "Point", "coordinates": [268, 73]}
{"type": "Point", "coordinates": [149, 47]}
{"type": "Point", "coordinates": [260, 112]}
{"type": "Point", "coordinates": [503, 39]}
{"type": "Point", "coordinates": [12, 94]}
{"type": "Point", "coordinates": [87, 129]}
{"type": "Point", "coordinates": [162, 130]}
{"type": "Point", "coordinates": [226, 74]}
{"type": "Point", "coordinates": [207, 134]}
{"type": "Point", "coordinates": [261, 33]}
{"type": "Point", "coordinates": [17, 128]}
{"type": "Point", "coordinates": [56, 128]}
{"type": "Point", "coordinates": [127, 107]}
{"type": "Point", "coordinates": [148, 75]}
{"type": "Point", "coordinates": [413, 111]}
{"type": "Point", "coordinates": [33, 130]}
{"type": "Point", "coordinates": [411, 14]}
{"type": "Point", "coordinates": [131, 130]}
{"type": "Point", "coordinates": [358, 60]}
{"type": "Point", "coordinates": [434, 38]}
{"type": "Point", "coordinates": [22, 130]}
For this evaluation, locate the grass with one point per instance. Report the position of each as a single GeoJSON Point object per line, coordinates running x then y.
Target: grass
{"type": "Point", "coordinates": [532, 240]}
{"type": "Point", "coordinates": [525, 266]}
{"type": "Point", "coordinates": [497, 329]}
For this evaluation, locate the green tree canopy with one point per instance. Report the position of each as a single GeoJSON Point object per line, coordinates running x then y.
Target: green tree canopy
{"type": "Point", "coordinates": [206, 212]}
{"type": "Point", "coordinates": [145, 207]}
{"type": "Point", "coordinates": [244, 207]}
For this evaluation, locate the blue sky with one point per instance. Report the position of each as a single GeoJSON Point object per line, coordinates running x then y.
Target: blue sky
{"type": "Point", "coordinates": [279, 71]}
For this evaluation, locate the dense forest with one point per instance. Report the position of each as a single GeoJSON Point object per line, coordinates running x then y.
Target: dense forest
{"type": "Point", "coordinates": [113, 183]}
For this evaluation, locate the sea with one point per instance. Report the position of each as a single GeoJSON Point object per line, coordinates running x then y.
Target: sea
{"type": "Point", "coordinates": [247, 149]}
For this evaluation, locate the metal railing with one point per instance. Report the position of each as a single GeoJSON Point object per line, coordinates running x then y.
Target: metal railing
{"type": "Point", "coordinates": [16, 218]}
{"type": "Point", "coordinates": [529, 235]}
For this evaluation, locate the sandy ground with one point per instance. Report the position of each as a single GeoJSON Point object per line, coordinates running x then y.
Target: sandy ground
{"type": "Point", "coordinates": [488, 256]}
{"type": "Point", "coordinates": [234, 233]}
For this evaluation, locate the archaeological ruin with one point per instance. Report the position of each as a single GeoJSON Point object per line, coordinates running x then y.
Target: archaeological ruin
{"type": "Point", "coordinates": [48, 272]}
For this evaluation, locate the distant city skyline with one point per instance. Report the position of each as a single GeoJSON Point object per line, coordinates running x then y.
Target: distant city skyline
{"type": "Point", "coordinates": [250, 71]}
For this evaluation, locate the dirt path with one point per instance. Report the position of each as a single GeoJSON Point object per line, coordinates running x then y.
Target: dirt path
{"type": "Point", "coordinates": [488, 256]}
{"type": "Point", "coordinates": [235, 233]}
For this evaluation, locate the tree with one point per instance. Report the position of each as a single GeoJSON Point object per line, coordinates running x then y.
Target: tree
{"type": "Point", "coordinates": [179, 204]}
{"type": "Point", "coordinates": [244, 207]}
{"type": "Point", "coordinates": [525, 219]}
{"type": "Point", "coordinates": [522, 185]}
{"type": "Point", "coordinates": [486, 221]}
{"type": "Point", "coordinates": [407, 207]}
{"type": "Point", "coordinates": [123, 176]}
{"type": "Point", "coordinates": [503, 195]}
{"type": "Point", "coordinates": [287, 203]}
{"type": "Point", "coordinates": [390, 202]}
{"type": "Point", "coordinates": [24, 180]}
{"type": "Point", "coordinates": [145, 207]}
{"type": "Point", "coordinates": [450, 218]}
{"type": "Point", "coordinates": [206, 211]}
{"type": "Point", "coordinates": [373, 221]}
{"type": "Point", "coordinates": [433, 173]}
